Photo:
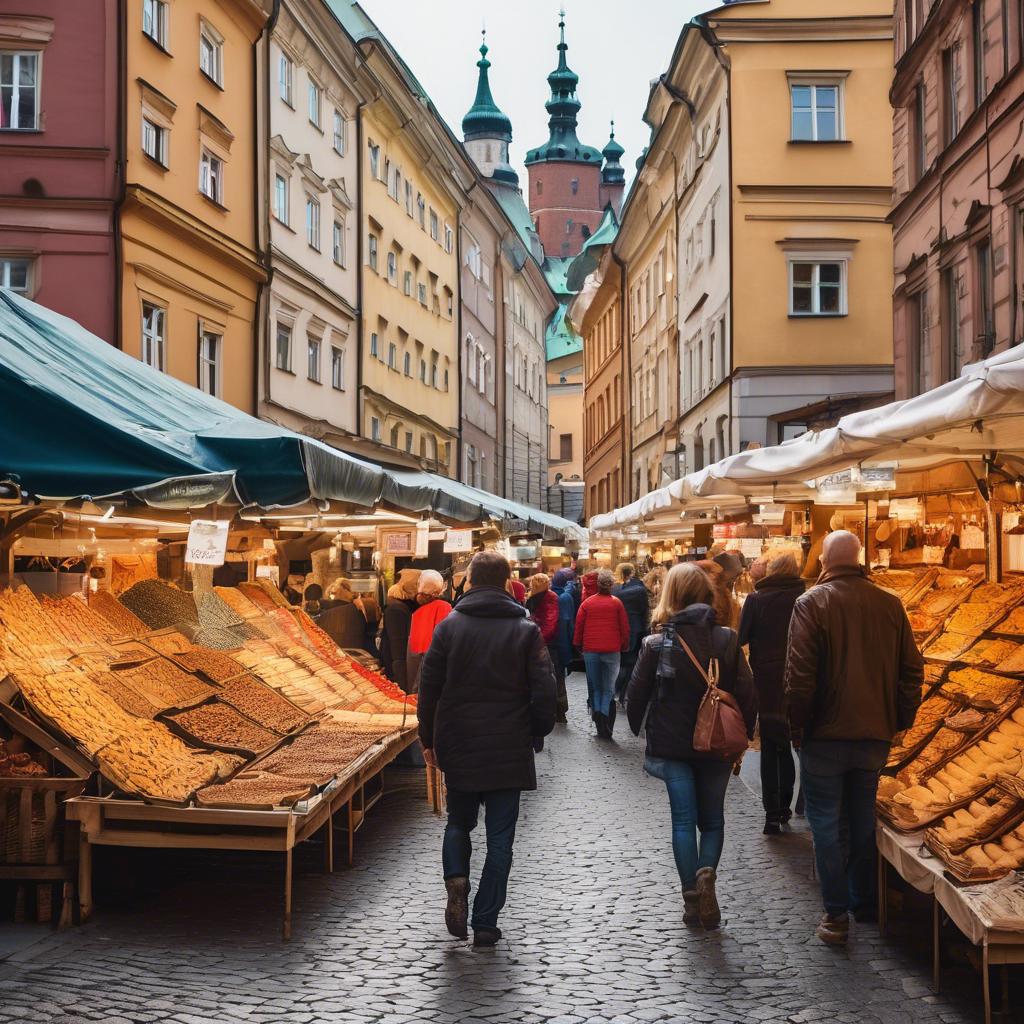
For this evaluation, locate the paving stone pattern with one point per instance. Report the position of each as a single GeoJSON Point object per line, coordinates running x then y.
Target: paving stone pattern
{"type": "Point", "coordinates": [593, 927]}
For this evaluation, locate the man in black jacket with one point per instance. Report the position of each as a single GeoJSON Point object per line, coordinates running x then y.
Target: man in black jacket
{"type": "Point", "coordinates": [487, 696]}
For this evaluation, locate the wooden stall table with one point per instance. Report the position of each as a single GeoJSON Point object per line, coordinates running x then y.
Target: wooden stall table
{"type": "Point", "coordinates": [983, 913]}
{"type": "Point", "coordinates": [106, 821]}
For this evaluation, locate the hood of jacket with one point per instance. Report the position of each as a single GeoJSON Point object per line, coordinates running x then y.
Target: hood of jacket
{"type": "Point", "coordinates": [562, 579]}
{"type": "Point", "coordinates": [694, 615]}
{"type": "Point", "coordinates": [781, 583]}
{"type": "Point", "coordinates": [491, 603]}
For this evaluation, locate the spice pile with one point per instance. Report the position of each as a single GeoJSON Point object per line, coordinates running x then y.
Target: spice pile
{"type": "Point", "coordinates": [159, 604]}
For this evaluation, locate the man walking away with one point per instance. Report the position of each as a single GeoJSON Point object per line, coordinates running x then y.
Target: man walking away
{"type": "Point", "coordinates": [487, 697]}
{"type": "Point", "coordinates": [853, 680]}
{"type": "Point", "coordinates": [633, 595]}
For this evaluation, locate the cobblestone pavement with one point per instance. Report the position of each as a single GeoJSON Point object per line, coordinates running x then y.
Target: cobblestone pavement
{"type": "Point", "coordinates": [593, 930]}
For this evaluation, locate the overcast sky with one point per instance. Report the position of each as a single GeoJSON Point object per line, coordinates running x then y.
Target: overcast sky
{"type": "Point", "coordinates": [616, 48]}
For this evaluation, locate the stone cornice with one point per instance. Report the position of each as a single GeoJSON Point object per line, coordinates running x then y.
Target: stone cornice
{"type": "Point", "coordinates": [866, 28]}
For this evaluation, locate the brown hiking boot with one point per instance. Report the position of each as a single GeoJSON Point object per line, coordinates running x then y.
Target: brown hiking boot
{"type": "Point", "coordinates": [834, 929]}
{"type": "Point", "coordinates": [456, 914]}
{"type": "Point", "coordinates": [707, 901]}
{"type": "Point", "coordinates": [691, 909]}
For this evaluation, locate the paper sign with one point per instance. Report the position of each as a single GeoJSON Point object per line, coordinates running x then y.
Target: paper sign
{"type": "Point", "coordinates": [458, 541]}
{"type": "Point", "coordinates": [207, 542]}
{"type": "Point", "coordinates": [422, 540]}
{"type": "Point", "coordinates": [398, 543]}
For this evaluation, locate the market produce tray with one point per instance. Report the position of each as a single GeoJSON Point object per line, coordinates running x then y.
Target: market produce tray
{"type": "Point", "coordinates": [982, 689]}
{"type": "Point", "coordinates": [1003, 804]}
{"type": "Point", "coordinates": [921, 733]}
{"type": "Point", "coordinates": [216, 725]}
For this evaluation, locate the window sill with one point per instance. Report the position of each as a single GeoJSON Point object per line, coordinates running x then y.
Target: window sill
{"type": "Point", "coordinates": [817, 316]}
{"type": "Point", "coordinates": [284, 224]}
{"type": "Point", "coordinates": [160, 46]}
{"type": "Point", "coordinates": [214, 202]}
{"type": "Point", "coordinates": [155, 162]}
{"type": "Point", "coordinates": [281, 369]}
{"type": "Point", "coordinates": [317, 127]}
{"type": "Point", "coordinates": [334, 387]}
{"type": "Point", "coordinates": [313, 380]}
{"type": "Point", "coordinates": [21, 131]}
{"type": "Point", "coordinates": [820, 142]}
{"type": "Point", "coordinates": [213, 81]}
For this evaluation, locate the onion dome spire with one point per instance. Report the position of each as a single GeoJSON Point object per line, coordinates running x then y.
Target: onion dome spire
{"type": "Point", "coordinates": [612, 173]}
{"type": "Point", "coordinates": [484, 119]}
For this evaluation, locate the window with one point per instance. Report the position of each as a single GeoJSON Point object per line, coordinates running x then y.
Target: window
{"type": "Point", "coordinates": [449, 239]}
{"type": "Point", "coordinates": [281, 198]}
{"type": "Point", "coordinates": [955, 355]}
{"type": "Point", "coordinates": [313, 223]}
{"type": "Point", "coordinates": [211, 176]}
{"type": "Point", "coordinates": [408, 440]}
{"type": "Point", "coordinates": [154, 334]}
{"type": "Point", "coordinates": [339, 133]}
{"type": "Point", "coordinates": [816, 111]}
{"type": "Point", "coordinates": [407, 282]}
{"type": "Point", "coordinates": [338, 243]}
{"type": "Point", "coordinates": [920, 128]}
{"type": "Point", "coordinates": [449, 303]}
{"type": "Point", "coordinates": [575, 185]}
{"type": "Point", "coordinates": [374, 428]}
{"type": "Point", "coordinates": [983, 325]}
{"type": "Point", "coordinates": [374, 345]}
{"type": "Point", "coordinates": [540, 187]}
{"type": "Point", "coordinates": [421, 210]}
{"type": "Point", "coordinates": [154, 141]}
{"type": "Point", "coordinates": [315, 96]}
{"type": "Point", "coordinates": [285, 70]}
{"type": "Point", "coordinates": [211, 53]}
{"type": "Point", "coordinates": [817, 289]}
{"type": "Point", "coordinates": [391, 175]}
{"type": "Point", "coordinates": [565, 447]}
{"type": "Point", "coordinates": [19, 90]}
{"type": "Point", "coordinates": [978, 52]}
{"type": "Point", "coordinates": [313, 348]}
{"type": "Point", "coordinates": [407, 364]}
{"type": "Point", "coordinates": [374, 160]}
{"type": "Point", "coordinates": [423, 371]}
{"type": "Point", "coordinates": [337, 368]}
{"type": "Point", "coordinates": [408, 197]}
{"type": "Point", "coordinates": [434, 226]}
{"type": "Point", "coordinates": [372, 252]}
{"type": "Point", "coordinates": [284, 347]}
{"type": "Point", "coordinates": [422, 290]}
{"type": "Point", "coordinates": [393, 268]}
{"type": "Point", "coordinates": [209, 362]}
{"type": "Point", "coordinates": [433, 370]}
{"type": "Point", "coordinates": [920, 352]}
{"type": "Point", "coordinates": [950, 93]}
{"type": "Point", "coordinates": [392, 356]}
{"type": "Point", "coordinates": [154, 21]}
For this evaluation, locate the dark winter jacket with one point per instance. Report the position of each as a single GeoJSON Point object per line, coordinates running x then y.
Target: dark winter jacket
{"type": "Point", "coordinates": [487, 690]}
{"type": "Point", "coordinates": [566, 618]}
{"type": "Point", "coordinates": [764, 625]}
{"type": "Point", "coordinates": [394, 642]}
{"type": "Point", "coordinates": [543, 609]}
{"type": "Point", "coordinates": [675, 698]}
{"type": "Point", "coordinates": [853, 670]}
{"type": "Point", "coordinates": [601, 625]}
{"type": "Point", "coordinates": [634, 598]}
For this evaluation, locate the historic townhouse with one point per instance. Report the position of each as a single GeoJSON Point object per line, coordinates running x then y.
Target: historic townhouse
{"type": "Point", "coordinates": [958, 218]}
{"type": "Point", "coordinates": [308, 371]}
{"type": "Point", "coordinates": [189, 273]}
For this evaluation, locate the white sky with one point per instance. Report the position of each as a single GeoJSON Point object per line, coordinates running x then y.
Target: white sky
{"type": "Point", "coordinates": [615, 47]}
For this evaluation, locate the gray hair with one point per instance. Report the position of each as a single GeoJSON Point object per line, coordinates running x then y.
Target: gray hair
{"type": "Point", "coordinates": [430, 582]}
{"type": "Point", "coordinates": [783, 565]}
{"type": "Point", "coordinates": [605, 581]}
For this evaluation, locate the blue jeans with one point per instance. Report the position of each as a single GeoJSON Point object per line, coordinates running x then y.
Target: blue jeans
{"type": "Point", "coordinates": [836, 785]}
{"type": "Point", "coordinates": [501, 807]}
{"type": "Point", "coordinates": [602, 671]}
{"type": "Point", "coordinates": [696, 795]}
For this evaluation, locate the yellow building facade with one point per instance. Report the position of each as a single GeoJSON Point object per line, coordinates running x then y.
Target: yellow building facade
{"type": "Point", "coordinates": [189, 274]}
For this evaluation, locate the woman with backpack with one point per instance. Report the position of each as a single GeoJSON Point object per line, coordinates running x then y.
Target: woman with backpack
{"type": "Point", "coordinates": [692, 742]}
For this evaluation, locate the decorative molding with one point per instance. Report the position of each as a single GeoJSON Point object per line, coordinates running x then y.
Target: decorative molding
{"type": "Point", "coordinates": [214, 128]}
{"type": "Point", "coordinates": [25, 31]}
{"type": "Point", "coordinates": [281, 151]}
{"type": "Point", "coordinates": [156, 100]}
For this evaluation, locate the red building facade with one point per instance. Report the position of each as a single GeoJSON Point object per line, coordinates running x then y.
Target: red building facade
{"type": "Point", "coordinates": [958, 218]}
{"type": "Point", "coordinates": [58, 150]}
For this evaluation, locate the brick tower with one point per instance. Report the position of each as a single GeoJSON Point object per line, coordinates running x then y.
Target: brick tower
{"type": "Point", "coordinates": [565, 175]}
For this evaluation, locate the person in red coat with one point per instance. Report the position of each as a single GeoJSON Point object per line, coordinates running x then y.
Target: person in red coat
{"type": "Point", "coordinates": [432, 609]}
{"type": "Point", "coordinates": [602, 632]}
{"type": "Point", "coordinates": [542, 605]}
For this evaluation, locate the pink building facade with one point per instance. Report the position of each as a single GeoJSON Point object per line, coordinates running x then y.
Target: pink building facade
{"type": "Point", "coordinates": [58, 155]}
{"type": "Point", "coordinates": [958, 219]}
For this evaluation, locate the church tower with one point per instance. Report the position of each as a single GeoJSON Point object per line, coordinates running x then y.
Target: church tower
{"type": "Point", "coordinates": [565, 175]}
{"type": "Point", "coordinates": [487, 131]}
{"type": "Point", "coordinates": [613, 177]}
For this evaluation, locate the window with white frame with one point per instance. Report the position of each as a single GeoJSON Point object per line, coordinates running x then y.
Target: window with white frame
{"type": "Point", "coordinates": [315, 101]}
{"type": "Point", "coordinates": [435, 226]}
{"type": "Point", "coordinates": [338, 243]}
{"type": "Point", "coordinates": [154, 21]}
{"type": "Point", "coordinates": [392, 356]}
{"type": "Point", "coordinates": [339, 133]}
{"type": "Point", "coordinates": [16, 275]}
{"type": "Point", "coordinates": [449, 238]}
{"type": "Point", "coordinates": [211, 176]}
{"type": "Point", "coordinates": [816, 107]}
{"type": "Point", "coordinates": [281, 203]}
{"type": "Point", "coordinates": [421, 210]}
{"type": "Point", "coordinates": [407, 364]}
{"type": "Point", "coordinates": [407, 283]}
{"type": "Point", "coordinates": [337, 368]}
{"type": "Point", "coordinates": [393, 268]}
{"type": "Point", "coordinates": [19, 90]}
{"type": "Point", "coordinates": [154, 335]}
{"type": "Point", "coordinates": [313, 223]}
{"type": "Point", "coordinates": [314, 346]}
{"type": "Point", "coordinates": [817, 287]}
{"type": "Point", "coordinates": [283, 347]}
{"type": "Point", "coordinates": [374, 428]}
{"type": "Point", "coordinates": [285, 75]}
{"type": "Point", "coordinates": [210, 347]}
{"type": "Point", "coordinates": [211, 53]}
{"type": "Point", "coordinates": [408, 197]}
{"type": "Point", "coordinates": [422, 293]}
{"type": "Point", "coordinates": [374, 160]}
{"type": "Point", "coordinates": [154, 141]}
{"type": "Point", "coordinates": [394, 178]}
{"type": "Point", "coordinates": [374, 345]}
{"type": "Point", "coordinates": [371, 251]}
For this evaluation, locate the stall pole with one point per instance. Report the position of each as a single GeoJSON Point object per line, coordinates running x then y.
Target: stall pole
{"type": "Point", "coordinates": [883, 896]}
{"type": "Point", "coordinates": [993, 543]}
{"type": "Point", "coordinates": [289, 838]}
{"type": "Point", "coordinates": [329, 842]}
{"type": "Point", "coordinates": [985, 982]}
{"type": "Point", "coordinates": [936, 949]}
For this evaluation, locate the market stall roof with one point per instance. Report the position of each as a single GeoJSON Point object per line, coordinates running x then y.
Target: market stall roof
{"type": "Point", "coordinates": [979, 413]}
{"type": "Point", "coordinates": [80, 418]}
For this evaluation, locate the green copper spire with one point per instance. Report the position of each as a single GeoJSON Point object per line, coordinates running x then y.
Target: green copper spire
{"type": "Point", "coordinates": [563, 108]}
{"type": "Point", "coordinates": [484, 119]}
{"type": "Point", "coordinates": [612, 173]}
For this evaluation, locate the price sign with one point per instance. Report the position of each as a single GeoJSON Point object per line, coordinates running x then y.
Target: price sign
{"type": "Point", "coordinates": [458, 541]}
{"type": "Point", "coordinates": [422, 540]}
{"type": "Point", "coordinates": [207, 542]}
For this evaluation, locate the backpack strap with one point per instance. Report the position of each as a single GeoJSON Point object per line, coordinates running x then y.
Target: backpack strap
{"type": "Point", "coordinates": [709, 674]}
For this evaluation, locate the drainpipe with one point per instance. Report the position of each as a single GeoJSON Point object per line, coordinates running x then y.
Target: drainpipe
{"type": "Point", "coordinates": [458, 341]}
{"type": "Point", "coordinates": [627, 381]}
{"type": "Point", "coordinates": [360, 207]}
{"type": "Point", "coordinates": [120, 173]}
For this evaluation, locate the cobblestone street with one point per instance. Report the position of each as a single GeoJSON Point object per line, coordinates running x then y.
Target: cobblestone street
{"type": "Point", "coordinates": [593, 930]}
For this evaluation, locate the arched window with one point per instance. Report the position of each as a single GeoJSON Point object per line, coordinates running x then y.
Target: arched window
{"type": "Point", "coordinates": [698, 448]}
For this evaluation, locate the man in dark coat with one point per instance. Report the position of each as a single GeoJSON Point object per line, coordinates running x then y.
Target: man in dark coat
{"type": "Point", "coordinates": [487, 697]}
{"type": "Point", "coordinates": [634, 597]}
{"type": "Point", "coordinates": [853, 680]}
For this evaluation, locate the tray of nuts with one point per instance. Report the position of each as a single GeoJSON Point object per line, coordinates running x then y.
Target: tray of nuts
{"type": "Point", "coordinates": [215, 665]}
{"type": "Point", "coordinates": [263, 704]}
{"type": "Point", "coordinates": [163, 683]}
{"type": "Point", "coordinates": [254, 791]}
{"type": "Point", "coordinates": [222, 727]}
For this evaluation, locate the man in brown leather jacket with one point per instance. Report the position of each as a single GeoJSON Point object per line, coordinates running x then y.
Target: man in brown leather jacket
{"type": "Point", "coordinates": [853, 680]}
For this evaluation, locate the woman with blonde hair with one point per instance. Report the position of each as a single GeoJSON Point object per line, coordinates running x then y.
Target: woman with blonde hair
{"type": "Point", "coordinates": [542, 607]}
{"type": "Point", "coordinates": [668, 688]}
{"type": "Point", "coordinates": [764, 625]}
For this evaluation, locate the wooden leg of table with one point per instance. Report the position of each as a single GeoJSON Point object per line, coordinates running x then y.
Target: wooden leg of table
{"type": "Point", "coordinates": [67, 913]}
{"type": "Point", "coordinates": [936, 982]}
{"type": "Point", "coordinates": [883, 896]}
{"type": "Point", "coordinates": [1004, 985]}
{"type": "Point", "coordinates": [329, 843]}
{"type": "Point", "coordinates": [430, 786]}
{"type": "Point", "coordinates": [84, 878]}
{"type": "Point", "coordinates": [985, 984]}
{"type": "Point", "coordinates": [286, 931]}
{"type": "Point", "coordinates": [350, 852]}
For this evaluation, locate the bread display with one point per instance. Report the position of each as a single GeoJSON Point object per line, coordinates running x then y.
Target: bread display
{"type": "Point", "coordinates": [930, 715]}
{"type": "Point", "coordinates": [159, 604]}
{"type": "Point", "coordinates": [998, 808]}
{"type": "Point", "coordinates": [948, 646]}
{"type": "Point", "coordinates": [1013, 624]}
{"type": "Point", "coordinates": [989, 653]}
{"type": "Point", "coordinates": [981, 689]}
{"type": "Point", "coordinates": [79, 624]}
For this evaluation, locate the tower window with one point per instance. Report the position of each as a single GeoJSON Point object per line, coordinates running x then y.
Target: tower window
{"type": "Point", "coordinates": [575, 185]}
{"type": "Point", "coordinates": [585, 232]}
{"type": "Point", "coordinates": [540, 187]}
{"type": "Point", "coordinates": [569, 224]}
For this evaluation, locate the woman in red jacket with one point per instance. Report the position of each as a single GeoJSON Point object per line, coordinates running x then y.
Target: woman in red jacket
{"type": "Point", "coordinates": [602, 632]}
{"type": "Point", "coordinates": [542, 604]}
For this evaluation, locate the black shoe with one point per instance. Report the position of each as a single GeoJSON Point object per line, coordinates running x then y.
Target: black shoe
{"type": "Point", "coordinates": [787, 814]}
{"type": "Point", "coordinates": [486, 937]}
{"type": "Point", "coordinates": [456, 914]}
{"type": "Point", "coordinates": [601, 721]}
{"type": "Point", "coordinates": [612, 712]}
{"type": "Point", "coordinates": [772, 826]}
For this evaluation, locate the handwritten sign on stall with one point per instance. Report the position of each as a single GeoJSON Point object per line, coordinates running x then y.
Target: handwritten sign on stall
{"type": "Point", "coordinates": [207, 542]}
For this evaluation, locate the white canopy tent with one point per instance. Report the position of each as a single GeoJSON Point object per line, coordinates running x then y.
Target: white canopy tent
{"type": "Point", "coordinates": [979, 413]}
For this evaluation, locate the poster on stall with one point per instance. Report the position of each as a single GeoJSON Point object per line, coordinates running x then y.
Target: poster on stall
{"type": "Point", "coordinates": [422, 540]}
{"type": "Point", "coordinates": [458, 541]}
{"type": "Point", "coordinates": [207, 542]}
